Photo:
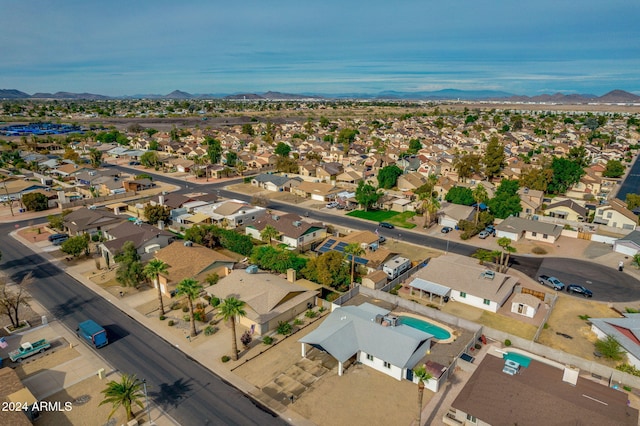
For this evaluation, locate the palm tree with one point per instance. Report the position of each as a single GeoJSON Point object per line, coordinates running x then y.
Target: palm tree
{"type": "Point", "coordinates": [240, 167]}
{"type": "Point", "coordinates": [154, 268]}
{"type": "Point", "coordinates": [229, 309]}
{"type": "Point", "coordinates": [479, 196]}
{"type": "Point", "coordinates": [191, 288]}
{"type": "Point", "coordinates": [505, 243]}
{"type": "Point", "coordinates": [269, 233]}
{"type": "Point", "coordinates": [125, 393]}
{"type": "Point", "coordinates": [430, 205]}
{"type": "Point", "coordinates": [354, 250]}
{"type": "Point", "coordinates": [422, 376]}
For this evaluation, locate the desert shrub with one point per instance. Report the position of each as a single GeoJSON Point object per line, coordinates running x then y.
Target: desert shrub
{"type": "Point", "coordinates": [478, 346]}
{"type": "Point", "coordinates": [610, 348]}
{"type": "Point", "coordinates": [225, 358]}
{"type": "Point", "coordinates": [507, 342]}
{"type": "Point", "coordinates": [632, 310]}
{"type": "Point", "coordinates": [627, 388]}
{"type": "Point", "coordinates": [209, 330]}
{"type": "Point", "coordinates": [538, 250]}
{"type": "Point", "coordinates": [395, 289]}
{"type": "Point", "coordinates": [267, 340]}
{"type": "Point", "coordinates": [310, 314]}
{"type": "Point", "coordinates": [545, 326]}
{"type": "Point", "coordinates": [214, 301]}
{"type": "Point", "coordinates": [284, 328]}
{"type": "Point", "coordinates": [171, 323]}
{"type": "Point", "coordinates": [185, 309]}
{"type": "Point", "coordinates": [629, 369]}
{"type": "Point", "coordinates": [162, 318]}
{"type": "Point", "coordinates": [199, 315]}
{"type": "Point", "coordinates": [174, 306]}
{"type": "Point", "coordinates": [245, 339]}
{"type": "Point", "coordinates": [322, 309]}
{"type": "Point", "coordinates": [186, 318]}
{"type": "Point", "coordinates": [584, 317]}
{"type": "Point", "coordinates": [298, 321]}
{"type": "Point", "coordinates": [332, 296]}
{"type": "Point", "coordinates": [199, 305]}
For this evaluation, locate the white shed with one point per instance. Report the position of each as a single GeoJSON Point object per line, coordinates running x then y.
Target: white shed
{"type": "Point", "coordinates": [525, 304]}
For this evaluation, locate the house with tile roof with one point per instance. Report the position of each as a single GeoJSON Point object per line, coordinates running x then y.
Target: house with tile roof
{"type": "Point", "coordinates": [292, 229]}
{"type": "Point", "coordinates": [469, 282]}
{"type": "Point", "coordinates": [373, 337]}
{"type": "Point", "coordinates": [275, 183]}
{"type": "Point", "coordinates": [190, 260]}
{"type": "Point", "coordinates": [269, 298]}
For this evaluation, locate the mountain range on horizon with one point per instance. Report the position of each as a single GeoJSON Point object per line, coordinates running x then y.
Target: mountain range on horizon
{"type": "Point", "coordinates": [614, 96]}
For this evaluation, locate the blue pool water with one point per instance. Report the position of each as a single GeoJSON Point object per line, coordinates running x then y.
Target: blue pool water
{"type": "Point", "coordinates": [437, 332]}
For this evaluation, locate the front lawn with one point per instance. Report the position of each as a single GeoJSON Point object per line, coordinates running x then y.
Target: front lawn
{"type": "Point", "coordinates": [396, 218]}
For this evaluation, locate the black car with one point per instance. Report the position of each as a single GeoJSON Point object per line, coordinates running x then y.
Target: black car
{"type": "Point", "coordinates": [575, 288]}
{"type": "Point", "coordinates": [446, 229]}
{"type": "Point", "coordinates": [386, 225]}
{"type": "Point", "coordinates": [54, 237]}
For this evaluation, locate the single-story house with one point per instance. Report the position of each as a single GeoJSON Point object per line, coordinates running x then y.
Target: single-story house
{"type": "Point", "coordinates": [625, 330]}
{"type": "Point", "coordinates": [375, 280]}
{"type": "Point", "coordinates": [469, 282]}
{"type": "Point", "coordinates": [451, 214]}
{"type": "Point", "coordinates": [233, 212]}
{"type": "Point", "coordinates": [145, 238]}
{"type": "Point", "coordinates": [189, 260]}
{"type": "Point", "coordinates": [269, 299]}
{"type": "Point", "coordinates": [137, 184]}
{"type": "Point", "coordinates": [275, 183]}
{"type": "Point", "coordinates": [515, 228]}
{"type": "Point", "coordinates": [370, 335]}
{"type": "Point", "coordinates": [292, 230]}
{"type": "Point", "coordinates": [629, 245]}
{"type": "Point", "coordinates": [316, 191]}
{"type": "Point", "coordinates": [88, 221]}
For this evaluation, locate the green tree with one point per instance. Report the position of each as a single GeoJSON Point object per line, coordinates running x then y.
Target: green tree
{"type": "Point", "coordinates": [153, 270]}
{"type": "Point", "coordinates": [460, 195]}
{"type": "Point", "coordinates": [505, 244]}
{"type": "Point", "coordinates": [229, 309]}
{"type": "Point", "coordinates": [429, 206]}
{"type": "Point", "coordinates": [286, 165]}
{"type": "Point", "coordinates": [214, 149]}
{"type": "Point", "coordinates": [231, 157]}
{"type": "Point", "coordinates": [565, 174]}
{"type": "Point", "coordinates": [353, 250]}
{"type": "Point", "coordinates": [190, 288]}
{"type": "Point", "coordinates": [35, 201]}
{"type": "Point", "coordinates": [149, 159]}
{"type": "Point", "coordinates": [269, 233]}
{"type": "Point", "coordinates": [56, 221]}
{"type": "Point", "coordinates": [536, 178]}
{"type": "Point", "coordinates": [347, 136]}
{"type": "Point", "coordinates": [282, 149]}
{"type": "Point", "coordinates": [328, 269]}
{"type": "Point", "coordinates": [493, 158]}
{"type": "Point", "coordinates": [130, 271]}
{"type": "Point", "coordinates": [156, 213]}
{"type": "Point", "coordinates": [75, 246]}
{"type": "Point", "coordinates": [276, 259]}
{"type": "Point", "coordinates": [610, 348]}
{"type": "Point", "coordinates": [480, 195]}
{"type": "Point", "coordinates": [506, 201]}
{"type": "Point", "coordinates": [126, 393]}
{"type": "Point", "coordinates": [613, 169]}
{"type": "Point", "coordinates": [95, 157]}
{"type": "Point", "coordinates": [247, 129]}
{"type": "Point", "coordinates": [388, 176]}
{"type": "Point", "coordinates": [423, 376]}
{"type": "Point", "coordinates": [466, 165]}
{"type": "Point", "coordinates": [578, 155]}
{"type": "Point", "coordinates": [367, 195]}
{"type": "Point", "coordinates": [414, 146]}
{"type": "Point", "coordinates": [633, 201]}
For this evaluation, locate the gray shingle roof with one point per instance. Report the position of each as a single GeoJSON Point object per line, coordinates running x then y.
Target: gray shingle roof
{"type": "Point", "coordinates": [630, 323]}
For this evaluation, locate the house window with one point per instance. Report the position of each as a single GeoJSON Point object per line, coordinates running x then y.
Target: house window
{"type": "Point", "coordinates": [472, 419]}
{"type": "Point", "coordinates": [370, 357]}
{"type": "Point", "coordinates": [545, 236]}
{"type": "Point", "coordinates": [463, 294]}
{"type": "Point", "coordinates": [486, 301]}
{"type": "Point", "coordinates": [609, 215]}
{"type": "Point", "coordinates": [387, 364]}
{"type": "Point", "coordinates": [534, 234]}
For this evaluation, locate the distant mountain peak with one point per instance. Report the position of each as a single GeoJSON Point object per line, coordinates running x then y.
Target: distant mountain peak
{"type": "Point", "coordinates": [178, 94]}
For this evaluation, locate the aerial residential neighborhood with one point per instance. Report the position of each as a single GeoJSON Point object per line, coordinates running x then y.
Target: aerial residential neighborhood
{"type": "Point", "coordinates": [477, 256]}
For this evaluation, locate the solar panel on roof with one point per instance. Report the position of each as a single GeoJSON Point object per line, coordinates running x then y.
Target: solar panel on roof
{"type": "Point", "coordinates": [361, 261]}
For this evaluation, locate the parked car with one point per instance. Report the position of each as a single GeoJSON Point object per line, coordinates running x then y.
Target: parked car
{"type": "Point", "coordinates": [54, 237]}
{"type": "Point", "coordinates": [386, 225]}
{"type": "Point", "coordinates": [552, 282]}
{"type": "Point", "coordinates": [575, 288]}
{"type": "Point", "coordinates": [490, 229]}
{"type": "Point", "coordinates": [381, 239]}
{"type": "Point", "coordinates": [446, 229]}
{"type": "Point", "coordinates": [483, 234]}
{"type": "Point", "coordinates": [340, 207]}
{"type": "Point", "coordinates": [332, 205]}
{"type": "Point", "coordinates": [134, 163]}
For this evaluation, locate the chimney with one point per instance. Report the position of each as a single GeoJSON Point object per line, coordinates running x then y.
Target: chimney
{"type": "Point", "coordinates": [291, 275]}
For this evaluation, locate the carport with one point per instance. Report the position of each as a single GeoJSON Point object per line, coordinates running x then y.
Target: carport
{"type": "Point", "coordinates": [430, 288]}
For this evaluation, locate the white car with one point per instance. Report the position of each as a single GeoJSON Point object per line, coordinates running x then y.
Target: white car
{"type": "Point", "coordinates": [332, 205]}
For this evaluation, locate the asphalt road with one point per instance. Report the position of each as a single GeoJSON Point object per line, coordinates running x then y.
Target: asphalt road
{"type": "Point", "coordinates": [188, 392]}
{"type": "Point", "coordinates": [631, 182]}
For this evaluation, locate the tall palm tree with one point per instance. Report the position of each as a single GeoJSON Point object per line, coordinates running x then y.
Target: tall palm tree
{"type": "Point", "coordinates": [354, 250]}
{"type": "Point", "coordinates": [125, 393]}
{"type": "Point", "coordinates": [241, 167]}
{"type": "Point", "coordinates": [422, 376]}
{"type": "Point", "coordinates": [505, 243]}
{"type": "Point", "coordinates": [154, 268]}
{"type": "Point", "coordinates": [430, 206]}
{"type": "Point", "coordinates": [269, 233]}
{"type": "Point", "coordinates": [229, 309]}
{"type": "Point", "coordinates": [191, 288]}
{"type": "Point", "coordinates": [480, 195]}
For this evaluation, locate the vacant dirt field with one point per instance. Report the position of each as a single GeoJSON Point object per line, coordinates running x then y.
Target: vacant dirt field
{"type": "Point", "coordinates": [565, 319]}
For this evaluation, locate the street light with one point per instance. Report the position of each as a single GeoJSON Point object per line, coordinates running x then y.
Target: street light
{"type": "Point", "coordinates": [146, 398]}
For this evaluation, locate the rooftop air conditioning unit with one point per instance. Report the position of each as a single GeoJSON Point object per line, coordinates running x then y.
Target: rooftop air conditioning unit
{"type": "Point", "coordinates": [188, 243]}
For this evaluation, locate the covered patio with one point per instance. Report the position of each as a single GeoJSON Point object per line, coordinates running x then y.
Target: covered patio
{"type": "Point", "coordinates": [430, 289]}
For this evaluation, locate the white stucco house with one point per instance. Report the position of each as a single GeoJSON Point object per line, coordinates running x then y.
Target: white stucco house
{"type": "Point", "coordinates": [451, 214]}
{"type": "Point", "coordinates": [516, 228]}
{"type": "Point", "coordinates": [369, 335]}
{"type": "Point", "coordinates": [629, 245]}
{"type": "Point", "coordinates": [470, 283]}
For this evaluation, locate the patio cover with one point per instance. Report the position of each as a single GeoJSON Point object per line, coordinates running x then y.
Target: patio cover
{"type": "Point", "coordinates": [428, 286]}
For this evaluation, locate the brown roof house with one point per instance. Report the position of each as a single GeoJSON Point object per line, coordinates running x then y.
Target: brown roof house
{"type": "Point", "coordinates": [90, 221]}
{"type": "Point", "coordinates": [189, 260]}
{"type": "Point", "coordinates": [517, 227]}
{"type": "Point", "coordinates": [269, 298]}
{"type": "Point", "coordinates": [293, 231]}
{"type": "Point", "coordinates": [145, 238]}
{"type": "Point", "coordinates": [13, 391]}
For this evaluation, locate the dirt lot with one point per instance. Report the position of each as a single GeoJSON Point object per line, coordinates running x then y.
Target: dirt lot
{"type": "Point", "coordinates": [565, 319]}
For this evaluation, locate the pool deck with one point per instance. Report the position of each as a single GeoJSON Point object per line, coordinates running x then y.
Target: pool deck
{"type": "Point", "coordinates": [450, 330]}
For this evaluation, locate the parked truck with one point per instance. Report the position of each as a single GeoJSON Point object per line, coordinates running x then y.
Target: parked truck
{"type": "Point", "coordinates": [93, 333]}
{"type": "Point", "coordinates": [27, 349]}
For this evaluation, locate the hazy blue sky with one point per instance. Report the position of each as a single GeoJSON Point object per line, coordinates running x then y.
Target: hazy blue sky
{"type": "Point", "coordinates": [119, 47]}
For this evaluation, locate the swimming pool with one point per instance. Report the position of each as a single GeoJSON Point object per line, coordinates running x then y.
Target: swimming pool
{"type": "Point", "coordinates": [437, 332]}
